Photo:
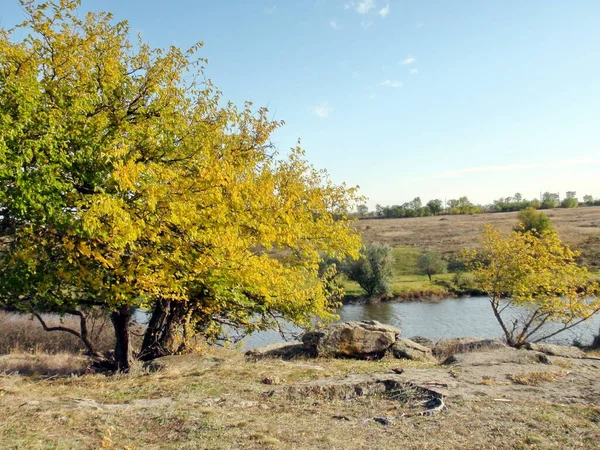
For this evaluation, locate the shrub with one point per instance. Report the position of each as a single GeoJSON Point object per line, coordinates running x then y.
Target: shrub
{"type": "Point", "coordinates": [373, 270]}
{"type": "Point", "coordinates": [533, 221]}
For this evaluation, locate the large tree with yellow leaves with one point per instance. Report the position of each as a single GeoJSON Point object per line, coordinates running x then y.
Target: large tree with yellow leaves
{"type": "Point", "coordinates": [535, 286]}
{"type": "Point", "coordinates": [124, 183]}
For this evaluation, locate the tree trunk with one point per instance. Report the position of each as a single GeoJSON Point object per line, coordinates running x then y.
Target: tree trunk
{"type": "Point", "coordinates": [120, 319]}
{"type": "Point", "coordinates": [159, 339]}
{"type": "Point", "coordinates": [151, 345]}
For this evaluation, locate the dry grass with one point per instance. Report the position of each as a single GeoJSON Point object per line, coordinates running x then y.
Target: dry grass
{"type": "Point", "coordinates": [58, 364]}
{"type": "Point", "coordinates": [450, 234]}
{"type": "Point", "coordinates": [535, 378]}
{"type": "Point", "coordinates": [21, 333]}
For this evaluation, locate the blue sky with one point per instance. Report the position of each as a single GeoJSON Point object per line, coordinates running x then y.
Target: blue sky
{"type": "Point", "coordinates": [436, 99]}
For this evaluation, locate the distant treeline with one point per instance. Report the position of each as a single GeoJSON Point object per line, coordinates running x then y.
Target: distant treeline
{"type": "Point", "coordinates": [462, 205]}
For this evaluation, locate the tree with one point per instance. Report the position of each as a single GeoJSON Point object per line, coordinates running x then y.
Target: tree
{"type": "Point", "coordinates": [435, 206]}
{"type": "Point", "coordinates": [550, 200]}
{"type": "Point", "coordinates": [124, 183]}
{"type": "Point", "coordinates": [373, 270]}
{"type": "Point", "coordinates": [570, 201]}
{"type": "Point", "coordinates": [533, 281]}
{"type": "Point", "coordinates": [431, 263]}
{"type": "Point", "coordinates": [588, 200]}
{"type": "Point", "coordinates": [362, 210]}
{"type": "Point", "coordinates": [532, 221]}
{"type": "Point", "coordinates": [462, 206]}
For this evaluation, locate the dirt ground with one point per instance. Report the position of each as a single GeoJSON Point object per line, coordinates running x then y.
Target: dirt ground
{"type": "Point", "coordinates": [221, 401]}
{"type": "Point", "coordinates": [446, 234]}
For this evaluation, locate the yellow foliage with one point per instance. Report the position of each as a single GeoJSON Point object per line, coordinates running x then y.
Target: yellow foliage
{"type": "Point", "coordinates": [130, 184]}
{"type": "Point", "coordinates": [537, 274]}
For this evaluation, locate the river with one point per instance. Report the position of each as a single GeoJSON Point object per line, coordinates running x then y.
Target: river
{"type": "Point", "coordinates": [449, 318]}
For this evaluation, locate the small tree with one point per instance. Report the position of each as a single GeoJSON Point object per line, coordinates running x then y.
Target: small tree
{"type": "Point", "coordinates": [435, 206]}
{"type": "Point", "coordinates": [533, 221]}
{"type": "Point", "coordinates": [431, 263]}
{"type": "Point", "coordinates": [373, 270]}
{"type": "Point", "coordinates": [362, 210]}
{"type": "Point", "coordinates": [570, 201]}
{"type": "Point", "coordinates": [535, 279]}
{"type": "Point", "coordinates": [550, 200]}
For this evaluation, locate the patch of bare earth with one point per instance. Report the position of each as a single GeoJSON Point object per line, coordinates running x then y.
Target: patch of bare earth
{"type": "Point", "coordinates": [223, 401]}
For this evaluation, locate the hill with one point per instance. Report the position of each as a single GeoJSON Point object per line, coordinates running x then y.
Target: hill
{"type": "Point", "coordinates": [578, 227]}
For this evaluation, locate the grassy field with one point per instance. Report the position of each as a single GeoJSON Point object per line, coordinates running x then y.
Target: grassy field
{"type": "Point", "coordinates": [449, 235]}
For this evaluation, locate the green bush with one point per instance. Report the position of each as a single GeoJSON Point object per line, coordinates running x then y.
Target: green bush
{"type": "Point", "coordinates": [534, 221]}
{"type": "Point", "coordinates": [373, 270]}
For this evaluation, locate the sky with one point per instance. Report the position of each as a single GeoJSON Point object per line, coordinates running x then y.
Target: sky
{"type": "Point", "coordinates": [435, 99]}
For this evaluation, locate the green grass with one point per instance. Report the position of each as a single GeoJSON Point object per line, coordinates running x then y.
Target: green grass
{"type": "Point", "coordinates": [406, 279]}
{"type": "Point", "coordinates": [406, 260]}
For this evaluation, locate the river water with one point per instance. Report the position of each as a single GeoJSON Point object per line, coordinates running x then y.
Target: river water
{"type": "Point", "coordinates": [450, 318]}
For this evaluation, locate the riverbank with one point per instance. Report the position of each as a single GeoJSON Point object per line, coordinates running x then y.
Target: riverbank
{"type": "Point", "coordinates": [221, 400]}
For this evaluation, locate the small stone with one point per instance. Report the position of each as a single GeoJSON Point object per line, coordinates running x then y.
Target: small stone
{"type": "Point", "coordinates": [383, 421]}
{"type": "Point", "coordinates": [271, 380]}
{"type": "Point", "coordinates": [398, 370]}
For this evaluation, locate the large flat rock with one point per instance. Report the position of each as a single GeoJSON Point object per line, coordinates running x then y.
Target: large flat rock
{"type": "Point", "coordinates": [408, 349]}
{"type": "Point", "coordinates": [354, 386]}
{"type": "Point", "coordinates": [285, 350]}
{"type": "Point", "coordinates": [366, 339]}
{"type": "Point", "coordinates": [500, 356]}
{"type": "Point", "coordinates": [564, 351]}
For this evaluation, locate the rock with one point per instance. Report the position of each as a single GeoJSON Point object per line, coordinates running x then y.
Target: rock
{"type": "Point", "coordinates": [426, 342]}
{"type": "Point", "coordinates": [398, 370]}
{"type": "Point", "coordinates": [285, 350]}
{"type": "Point", "coordinates": [271, 380]}
{"type": "Point", "coordinates": [500, 356]}
{"type": "Point", "coordinates": [360, 340]}
{"type": "Point", "coordinates": [353, 386]}
{"type": "Point", "coordinates": [564, 351]}
{"type": "Point", "coordinates": [447, 347]}
{"type": "Point", "coordinates": [407, 349]}
{"type": "Point", "coordinates": [383, 421]}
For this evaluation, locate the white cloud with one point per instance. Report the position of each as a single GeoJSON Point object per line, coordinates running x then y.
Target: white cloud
{"type": "Point", "coordinates": [270, 9]}
{"type": "Point", "coordinates": [414, 71]}
{"type": "Point", "coordinates": [366, 24]}
{"type": "Point", "coordinates": [371, 96]}
{"type": "Point", "coordinates": [419, 25]}
{"type": "Point", "coordinates": [347, 5]}
{"type": "Point", "coordinates": [365, 6]}
{"type": "Point", "coordinates": [384, 11]}
{"type": "Point", "coordinates": [391, 83]}
{"type": "Point", "coordinates": [409, 60]}
{"type": "Point", "coordinates": [333, 24]}
{"type": "Point", "coordinates": [322, 111]}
